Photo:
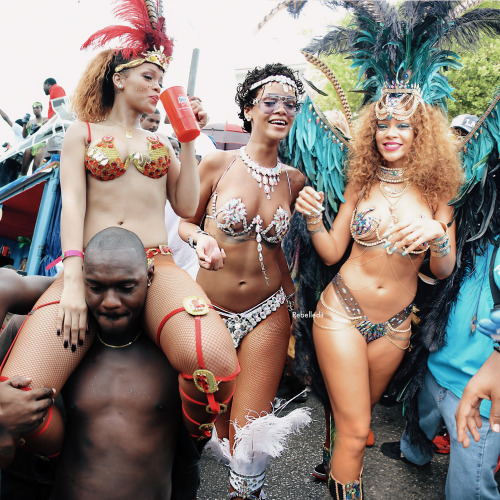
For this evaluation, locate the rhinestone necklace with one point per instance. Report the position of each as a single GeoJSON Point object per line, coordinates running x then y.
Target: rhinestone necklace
{"type": "Point", "coordinates": [265, 176]}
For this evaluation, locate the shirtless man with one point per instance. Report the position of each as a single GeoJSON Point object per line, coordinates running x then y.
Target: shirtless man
{"type": "Point", "coordinates": [122, 402]}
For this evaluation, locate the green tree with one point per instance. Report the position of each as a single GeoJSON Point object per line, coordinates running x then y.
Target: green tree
{"type": "Point", "coordinates": [476, 83]}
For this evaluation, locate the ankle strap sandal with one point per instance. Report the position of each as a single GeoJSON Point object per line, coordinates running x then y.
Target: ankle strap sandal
{"type": "Point", "coordinates": [247, 487]}
{"type": "Point", "coordinates": [353, 490]}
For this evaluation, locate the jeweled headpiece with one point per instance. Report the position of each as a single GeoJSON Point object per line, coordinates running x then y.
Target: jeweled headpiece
{"type": "Point", "coordinates": [144, 40]}
{"type": "Point", "coordinates": [284, 80]}
{"type": "Point", "coordinates": [398, 100]}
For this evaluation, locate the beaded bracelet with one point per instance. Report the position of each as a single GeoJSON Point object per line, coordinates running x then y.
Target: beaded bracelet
{"type": "Point", "coordinates": [441, 246]}
{"type": "Point", "coordinates": [311, 221]}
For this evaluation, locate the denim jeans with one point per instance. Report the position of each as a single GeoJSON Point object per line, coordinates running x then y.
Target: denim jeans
{"type": "Point", "coordinates": [471, 470]}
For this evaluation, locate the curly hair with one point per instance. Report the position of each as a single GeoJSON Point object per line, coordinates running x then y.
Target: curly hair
{"type": "Point", "coordinates": [94, 95]}
{"type": "Point", "coordinates": [432, 164]}
{"type": "Point", "coordinates": [245, 96]}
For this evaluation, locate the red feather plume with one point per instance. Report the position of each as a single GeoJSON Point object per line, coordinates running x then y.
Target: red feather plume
{"type": "Point", "coordinates": [144, 32]}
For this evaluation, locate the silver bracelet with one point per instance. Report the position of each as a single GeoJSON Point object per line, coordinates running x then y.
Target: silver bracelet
{"type": "Point", "coordinates": [190, 239]}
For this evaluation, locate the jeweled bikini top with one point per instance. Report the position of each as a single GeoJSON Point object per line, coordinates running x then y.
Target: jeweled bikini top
{"type": "Point", "coordinates": [364, 227]}
{"type": "Point", "coordinates": [103, 162]}
{"type": "Point", "coordinates": [233, 212]}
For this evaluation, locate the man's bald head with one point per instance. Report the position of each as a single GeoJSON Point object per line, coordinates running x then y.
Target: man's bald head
{"type": "Point", "coordinates": [114, 239]}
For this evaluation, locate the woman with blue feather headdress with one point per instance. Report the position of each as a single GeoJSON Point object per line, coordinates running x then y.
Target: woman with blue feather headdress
{"type": "Point", "coordinates": [402, 171]}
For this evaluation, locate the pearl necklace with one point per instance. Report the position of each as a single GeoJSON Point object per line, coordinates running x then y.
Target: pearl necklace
{"type": "Point", "coordinates": [391, 175]}
{"type": "Point", "coordinates": [393, 198]}
{"type": "Point", "coordinates": [265, 176]}
{"type": "Point", "coordinates": [119, 346]}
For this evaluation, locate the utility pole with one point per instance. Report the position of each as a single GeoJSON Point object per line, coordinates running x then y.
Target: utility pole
{"type": "Point", "coordinates": [192, 71]}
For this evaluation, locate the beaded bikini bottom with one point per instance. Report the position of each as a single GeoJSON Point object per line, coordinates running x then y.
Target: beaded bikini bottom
{"type": "Point", "coordinates": [241, 324]}
{"type": "Point", "coordinates": [370, 331]}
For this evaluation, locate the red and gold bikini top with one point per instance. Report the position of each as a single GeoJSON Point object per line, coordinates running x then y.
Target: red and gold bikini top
{"type": "Point", "coordinates": [103, 162]}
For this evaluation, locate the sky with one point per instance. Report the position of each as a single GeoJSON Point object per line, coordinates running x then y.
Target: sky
{"type": "Point", "coordinates": [41, 39]}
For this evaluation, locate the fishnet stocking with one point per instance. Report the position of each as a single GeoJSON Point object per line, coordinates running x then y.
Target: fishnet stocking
{"type": "Point", "coordinates": [169, 287]}
{"type": "Point", "coordinates": [38, 353]}
{"type": "Point", "coordinates": [262, 357]}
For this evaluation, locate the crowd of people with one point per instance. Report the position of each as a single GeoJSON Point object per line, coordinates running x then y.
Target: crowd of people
{"type": "Point", "coordinates": [170, 324]}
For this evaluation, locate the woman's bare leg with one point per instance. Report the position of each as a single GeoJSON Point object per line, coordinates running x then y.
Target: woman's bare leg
{"type": "Point", "coordinates": [262, 356]}
{"type": "Point", "coordinates": [342, 357]}
{"type": "Point", "coordinates": [383, 360]}
{"type": "Point", "coordinates": [356, 374]}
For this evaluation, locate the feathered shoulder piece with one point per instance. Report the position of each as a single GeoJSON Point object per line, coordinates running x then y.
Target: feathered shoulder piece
{"type": "Point", "coordinates": [143, 39]}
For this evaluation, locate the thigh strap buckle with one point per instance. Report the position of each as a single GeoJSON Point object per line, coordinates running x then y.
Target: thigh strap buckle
{"type": "Point", "coordinates": [205, 381]}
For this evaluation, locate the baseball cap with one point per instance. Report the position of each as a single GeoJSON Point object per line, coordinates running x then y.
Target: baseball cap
{"type": "Point", "coordinates": [465, 122]}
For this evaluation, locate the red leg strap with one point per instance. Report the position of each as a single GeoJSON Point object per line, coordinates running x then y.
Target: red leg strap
{"type": "Point", "coordinates": [203, 379]}
{"type": "Point", "coordinates": [42, 430]}
{"type": "Point", "coordinates": [219, 379]}
{"type": "Point", "coordinates": [204, 428]}
{"type": "Point", "coordinates": [19, 331]}
{"type": "Point", "coordinates": [45, 427]}
{"type": "Point", "coordinates": [191, 400]}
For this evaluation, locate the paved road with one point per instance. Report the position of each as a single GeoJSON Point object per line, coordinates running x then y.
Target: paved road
{"type": "Point", "coordinates": [289, 477]}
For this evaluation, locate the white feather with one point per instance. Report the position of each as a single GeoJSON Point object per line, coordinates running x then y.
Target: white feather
{"type": "Point", "coordinates": [260, 439]}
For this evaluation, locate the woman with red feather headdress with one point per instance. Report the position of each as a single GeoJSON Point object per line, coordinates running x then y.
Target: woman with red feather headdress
{"type": "Point", "coordinates": [114, 173]}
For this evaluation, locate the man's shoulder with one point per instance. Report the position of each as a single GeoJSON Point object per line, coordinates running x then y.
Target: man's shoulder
{"type": "Point", "coordinates": [56, 91]}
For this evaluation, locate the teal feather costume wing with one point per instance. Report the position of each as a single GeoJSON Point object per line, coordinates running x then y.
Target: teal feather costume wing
{"type": "Point", "coordinates": [477, 147]}
{"type": "Point", "coordinates": [319, 151]}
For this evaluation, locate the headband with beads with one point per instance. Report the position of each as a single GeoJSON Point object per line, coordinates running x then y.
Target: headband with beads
{"type": "Point", "coordinates": [398, 100]}
{"type": "Point", "coordinates": [284, 80]}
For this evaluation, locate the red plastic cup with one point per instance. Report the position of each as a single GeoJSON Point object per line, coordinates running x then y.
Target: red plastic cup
{"type": "Point", "coordinates": [179, 111]}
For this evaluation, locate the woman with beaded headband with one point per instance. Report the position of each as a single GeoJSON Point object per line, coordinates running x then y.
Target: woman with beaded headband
{"type": "Point", "coordinates": [114, 173]}
{"type": "Point", "coordinates": [403, 169]}
{"type": "Point", "coordinates": [246, 200]}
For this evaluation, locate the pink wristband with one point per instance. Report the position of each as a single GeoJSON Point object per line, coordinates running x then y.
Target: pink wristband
{"type": "Point", "coordinates": [72, 253]}
{"type": "Point", "coordinates": [68, 253]}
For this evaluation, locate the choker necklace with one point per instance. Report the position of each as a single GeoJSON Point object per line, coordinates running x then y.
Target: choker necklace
{"type": "Point", "coordinates": [128, 131]}
{"type": "Point", "coordinates": [119, 346]}
{"type": "Point", "coordinates": [265, 176]}
{"type": "Point", "coordinates": [391, 175]}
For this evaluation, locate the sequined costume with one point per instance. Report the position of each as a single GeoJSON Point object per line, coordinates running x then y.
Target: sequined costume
{"type": "Point", "coordinates": [103, 162]}
{"type": "Point", "coordinates": [242, 323]}
{"type": "Point", "coordinates": [234, 213]}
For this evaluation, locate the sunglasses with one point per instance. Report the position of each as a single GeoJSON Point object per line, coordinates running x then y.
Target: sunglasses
{"type": "Point", "coordinates": [270, 103]}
